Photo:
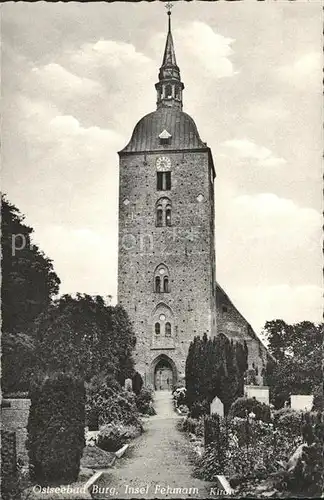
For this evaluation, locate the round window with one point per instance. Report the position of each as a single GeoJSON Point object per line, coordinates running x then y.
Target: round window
{"type": "Point", "coordinates": [162, 317]}
{"type": "Point", "coordinates": [162, 271]}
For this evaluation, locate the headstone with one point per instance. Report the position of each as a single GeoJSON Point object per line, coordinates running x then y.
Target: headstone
{"type": "Point", "coordinates": [129, 385]}
{"type": "Point", "coordinates": [301, 402]}
{"type": "Point", "coordinates": [216, 406]}
{"type": "Point", "coordinates": [259, 392]}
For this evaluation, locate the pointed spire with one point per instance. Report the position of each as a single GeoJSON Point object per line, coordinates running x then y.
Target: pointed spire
{"type": "Point", "coordinates": [169, 54]}
{"type": "Point", "coordinates": [169, 88]}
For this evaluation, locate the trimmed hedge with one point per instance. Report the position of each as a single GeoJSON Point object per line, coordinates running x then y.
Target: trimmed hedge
{"type": "Point", "coordinates": [56, 428]}
{"type": "Point", "coordinates": [243, 406]}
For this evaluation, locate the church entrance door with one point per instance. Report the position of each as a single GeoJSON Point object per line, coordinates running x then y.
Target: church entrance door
{"type": "Point", "coordinates": [163, 376]}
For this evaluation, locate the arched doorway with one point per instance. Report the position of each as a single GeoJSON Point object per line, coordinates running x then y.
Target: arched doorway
{"type": "Point", "coordinates": [164, 373]}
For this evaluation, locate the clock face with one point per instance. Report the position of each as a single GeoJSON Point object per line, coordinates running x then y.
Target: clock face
{"type": "Point", "coordinates": [163, 163]}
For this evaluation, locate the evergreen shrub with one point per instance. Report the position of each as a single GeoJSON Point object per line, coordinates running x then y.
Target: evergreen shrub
{"type": "Point", "coordinates": [243, 406]}
{"type": "Point", "coordinates": [199, 408]}
{"type": "Point", "coordinates": [137, 383]}
{"type": "Point", "coordinates": [56, 428]}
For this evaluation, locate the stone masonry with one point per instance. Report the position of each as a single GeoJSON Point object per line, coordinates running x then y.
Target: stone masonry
{"type": "Point", "coordinates": [166, 232]}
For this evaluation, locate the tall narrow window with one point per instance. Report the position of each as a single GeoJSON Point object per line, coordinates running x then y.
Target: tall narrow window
{"type": "Point", "coordinates": [159, 181]}
{"type": "Point", "coordinates": [168, 91]}
{"type": "Point", "coordinates": [168, 216]}
{"type": "Point", "coordinates": [167, 180]}
{"type": "Point", "coordinates": [168, 329]}
{"type": "Point", "coordinates": [159, 216]}
{"type": "Point", "coordinates": [158, 284]}
{"type": "Point", "coordinates": [163, 181]}
{"type": "Point", "coordinates": [157, 329]}
{"type": "Point", "coordinates": [161, 282]}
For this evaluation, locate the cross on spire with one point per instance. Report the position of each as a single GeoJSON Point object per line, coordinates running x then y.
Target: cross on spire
{"type": "Point", "coordinates": [169, 88]}
{"type": "Point", "coordinates": [169, 6]}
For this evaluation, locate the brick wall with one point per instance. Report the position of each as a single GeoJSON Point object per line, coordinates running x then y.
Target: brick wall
{"type": "Point", "coordinates": [15, 418]}
{"type": "Point", "coordinates": [186, 248]}
{"type": "Point", "coordinates": [234, 325]}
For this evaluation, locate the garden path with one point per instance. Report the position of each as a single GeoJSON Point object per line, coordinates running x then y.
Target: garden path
{"type": "Point", "coordinates": [157, 464]}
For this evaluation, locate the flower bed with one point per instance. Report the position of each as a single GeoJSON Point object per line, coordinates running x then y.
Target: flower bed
{"type": "Point", "coordinates": [269, 456]}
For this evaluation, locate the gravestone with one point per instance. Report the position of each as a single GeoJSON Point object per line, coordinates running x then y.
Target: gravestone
{"type": "Point", "coordinates": [216, 406]}
{"type": "Point", "coordinates": [128, 385]}
{"type": "Point", "coordinates": [259, 392]}
{"type": "Point", "coordinates": [301, 402]}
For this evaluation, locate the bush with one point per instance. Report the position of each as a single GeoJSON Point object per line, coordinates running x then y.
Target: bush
{"type": "Point", "coordinates": [193, 426]}
{"type": "Point", "coordinates": [180, 396]}
{"type": "Point", "coordinates": [199, 408]}
{"type": "Point", "coordinates": [56, 428]}
{"type": "Point", "coordinates": [113, 436]}
{"type": "Point", "coordinates": [111, 403]}
{"type": "Point", "coordinates": [307, 476]}
{"type": "Point", "coordinates": [290, 421]}
{"type": "Point", "coordinates": [137, 383]}
{"type": "Point", "coordinates": [246, 448]}
{"type": "Point", "coordinates": [190, 425]}
{"type": "Point", "coordinates": [243, 406]}
{"type": "Point", "coordinates": [144, 402]}
{"type": "Point", "coordinates": [179, 385]}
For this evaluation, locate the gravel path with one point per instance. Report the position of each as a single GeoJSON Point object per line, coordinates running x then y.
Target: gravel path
{"type": "Point", "coordinates": [157, 464]}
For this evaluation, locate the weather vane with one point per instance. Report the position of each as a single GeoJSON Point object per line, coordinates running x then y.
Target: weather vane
{"type": "Point", "coordinates": [169, 6]}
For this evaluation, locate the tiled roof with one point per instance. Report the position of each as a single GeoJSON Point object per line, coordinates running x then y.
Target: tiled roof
{"type": "Point", "coordinates": [177, 123]}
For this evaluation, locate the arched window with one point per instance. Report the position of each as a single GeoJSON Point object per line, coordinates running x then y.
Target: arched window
{"type": "Point", "coordinates": [168, 329]}
{"type": "Point", "coordinates": [168, 215]}
{"type": "Point", "coordinates": [163, 210]}
{"type": "Point", "coordinates": [159, 216]}
{"type": "Point", "coordinates": [157, 329]}
{"type": "Point", "coordinates": [161, 279]}
{"type": "Point", "coordinates": [157, 284]}
{"type": "Point", "coordinates": [168, 91]}
{"type": "Point", "coordinates": [177, 93]}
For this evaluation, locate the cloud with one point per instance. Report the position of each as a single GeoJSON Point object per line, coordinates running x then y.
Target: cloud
{"type": "Point", "coordinates": [212, 53]}
{"type": "Point", "coordinates": [270, 111]}
{"type": "Point", "coordinates": [108, 53]}
{"type": "Point", "coordinates": [61, 80]}
{"type": "Point", "coordinates": [245, 149]}
{"type": "Point", "coordinates": [72, 250]}
{"type": "Point", "coordinates": [276, 221]}
{"type": "Point", "coordinates": [280, 301]}
{"type": "Point", "coordinates": [264, 237]}
{"type": "Point", "coordinates": [305, 73]}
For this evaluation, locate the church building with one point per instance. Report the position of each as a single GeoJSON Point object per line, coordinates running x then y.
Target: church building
{"type": "Point", "coordinates": [166, 258]}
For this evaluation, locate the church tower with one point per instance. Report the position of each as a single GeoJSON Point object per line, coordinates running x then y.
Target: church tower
{"type": "Point", "coordinates": [166, 259]}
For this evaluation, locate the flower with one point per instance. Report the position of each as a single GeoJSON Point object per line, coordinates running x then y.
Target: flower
{"type": "Point", "coordinates": [252, 415]}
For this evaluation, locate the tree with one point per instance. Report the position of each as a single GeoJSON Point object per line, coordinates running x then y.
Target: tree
{"type": "Point", "coordinates": [298, 367]}
{"type": "Point", "coordinates": [85, 336]}
{"type": "Point", "coordinates": [28, 286]}
{"type": "Point", "coordinates": [55, 427]}
{"type": "Point", "coordinates": [215, 367]}
{"type": "Point", "coordinates": [18, 361]}
{"type": "Point", "coordinates": [28, 278]}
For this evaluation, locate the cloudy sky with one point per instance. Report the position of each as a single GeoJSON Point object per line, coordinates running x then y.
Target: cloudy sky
{"type": "Point", "coordinates": [77, 77]}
